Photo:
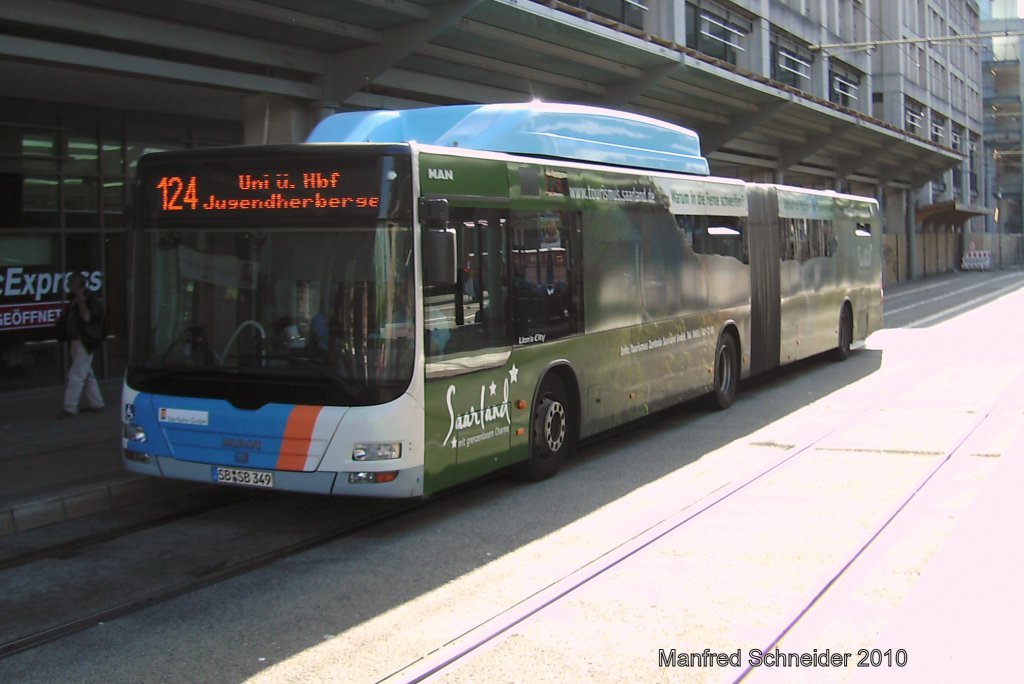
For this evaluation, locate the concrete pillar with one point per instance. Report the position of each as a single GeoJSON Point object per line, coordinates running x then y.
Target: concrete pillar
{"type": "Point", "coordinates": [911, 235]}
{"type": "Point", "coordinates": [667, 20]}
{"type": "Point", "coordinates": [883, 216]}
{"type": "Point", "coordinates": [965, 182]}
{"type": "Point", "coordinates": [863, 32]}
{"type": "Point", "coordinates": [275, 119]}
{"type": "Point", "coordinates": [323, 109]}
{"type": "Point", "coordinates": [759, 51]}
{"type": "Point", "coordinates": [865, 103]}
{"type": "Point", "coordinates": [819, 75]}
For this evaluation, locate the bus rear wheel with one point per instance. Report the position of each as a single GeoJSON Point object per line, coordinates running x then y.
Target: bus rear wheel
{"type": "Point", "coordinates": [552, 433]}
{"type": "Point", "coordinates": [842, 351]}
{"type": "Point", "coordinates": [727, 372]}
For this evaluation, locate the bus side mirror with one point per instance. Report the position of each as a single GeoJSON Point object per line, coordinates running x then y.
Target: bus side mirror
{"type": "Point", "coordinates": [439, 265]}
{"type": "Point", "coordinates": [434, 213]}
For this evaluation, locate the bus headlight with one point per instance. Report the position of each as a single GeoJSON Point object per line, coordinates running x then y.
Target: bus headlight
{"type": "Point", "coordinates": [373, 478]}
{"type": "Point", "coordinates": [136, 456]}
{"type": "Point", "coordinates": [377, 451]}
{"type": "Point", "coordinates": [134, 433]}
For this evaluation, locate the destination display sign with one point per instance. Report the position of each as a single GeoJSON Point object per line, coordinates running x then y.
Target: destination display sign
{"type": "Point", "coordinates": [181, 190]}
{"type": "Point", "coordinates": [278, 190]}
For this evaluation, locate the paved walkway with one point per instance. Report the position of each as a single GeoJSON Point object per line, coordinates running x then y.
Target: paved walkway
{"type": "Point", "coordinates": [55, 470]}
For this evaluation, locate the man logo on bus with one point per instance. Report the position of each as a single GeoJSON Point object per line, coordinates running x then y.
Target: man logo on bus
{"type": "Point", "coordinates": [441, 174]}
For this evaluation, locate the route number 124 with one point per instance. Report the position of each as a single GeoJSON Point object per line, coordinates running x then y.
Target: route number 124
{"type": "Point", "coordinates": [177, 193]}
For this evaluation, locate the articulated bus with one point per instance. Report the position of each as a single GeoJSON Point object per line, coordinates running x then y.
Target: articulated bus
{"type": "Point", "coordinates": [412, 299]}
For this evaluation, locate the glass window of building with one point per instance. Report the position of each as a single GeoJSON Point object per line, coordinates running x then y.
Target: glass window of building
{"type": "Point", "coordinates": [843, 84]}
{"type": "Point", "coordinates": [65, 174]}
{"type": "Point", "coordinates": [913, 117]}
{"type": "Point", "coordinates": [627, 12]}
{"type": "Point", "coordinates": [791, 64]}
{"type": "Point", "coordinates": [956, 137]}
{"type": "Point", "coordinates": [715, 31]}
{"type": "Point", "coordinates": [938, 132]}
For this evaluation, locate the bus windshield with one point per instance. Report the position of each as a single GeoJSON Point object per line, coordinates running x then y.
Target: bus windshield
{"type": "Point", "coordinates": [276, 307]}
{"type": "Point", "coordinates": [325, 311]}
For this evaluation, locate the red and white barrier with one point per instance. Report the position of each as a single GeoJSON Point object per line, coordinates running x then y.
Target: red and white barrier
{"type": "Point", "coordinates": [977, 260]}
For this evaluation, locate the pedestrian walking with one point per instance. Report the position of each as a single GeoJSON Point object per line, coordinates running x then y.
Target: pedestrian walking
{"type": "Point", "coordinates": [82, 326]}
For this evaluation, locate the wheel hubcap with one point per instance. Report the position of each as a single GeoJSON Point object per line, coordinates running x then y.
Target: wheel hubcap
{"type": "Point", "coordinates": [554, 425]}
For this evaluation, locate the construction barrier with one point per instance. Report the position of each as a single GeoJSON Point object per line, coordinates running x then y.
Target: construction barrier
{"type": "Point", "coordinates": [977, 260]}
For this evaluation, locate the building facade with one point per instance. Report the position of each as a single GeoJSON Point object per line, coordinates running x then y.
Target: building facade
{"type": "Point", "coordinates": [805, 92]}
{"type": "Point", "coordinates": [1004, 116]}
{"type": "Point", "coordinates": [901, 62]}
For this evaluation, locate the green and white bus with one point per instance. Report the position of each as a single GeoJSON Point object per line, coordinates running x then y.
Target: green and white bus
{"type": "Point", "coordinates": [413, 299]}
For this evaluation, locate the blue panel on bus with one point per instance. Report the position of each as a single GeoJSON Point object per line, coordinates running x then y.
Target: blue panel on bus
{"type": "Point", "coordinates": [215, 432]}
{"type": "Point", "coordinates": [577, 132]}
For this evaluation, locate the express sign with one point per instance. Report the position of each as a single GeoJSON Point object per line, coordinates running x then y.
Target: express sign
{"type": "Point", "coordinates": [19, 282]}
{"type": "Point", "coordinates": [32, 298]}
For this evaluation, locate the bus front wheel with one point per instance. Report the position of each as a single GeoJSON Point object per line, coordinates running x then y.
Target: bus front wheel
{"type": "Point", "coordinates": [727, 372]}
{"type": "Point", "coordinates": [552, 435]}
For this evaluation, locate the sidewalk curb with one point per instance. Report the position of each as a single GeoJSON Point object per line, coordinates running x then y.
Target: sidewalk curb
{"type": "Point", "coordinates": [85, 500]}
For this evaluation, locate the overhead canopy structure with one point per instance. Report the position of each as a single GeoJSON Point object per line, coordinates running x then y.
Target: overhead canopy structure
{"type": "Point", "coordinates": [212, 57]}
{"type": "Point", "coordinates": [951, 213]}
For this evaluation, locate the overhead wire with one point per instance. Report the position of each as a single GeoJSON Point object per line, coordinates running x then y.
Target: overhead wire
{"type": "Point", "coordinates": [926, 53]}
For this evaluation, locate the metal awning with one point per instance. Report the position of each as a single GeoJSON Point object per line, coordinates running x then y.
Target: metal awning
{"type": "Point", "coordinates": [950, 213]}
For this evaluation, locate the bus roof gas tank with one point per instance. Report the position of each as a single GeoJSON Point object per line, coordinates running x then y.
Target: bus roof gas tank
{"type": "Point", "coordinates": [563, 131]}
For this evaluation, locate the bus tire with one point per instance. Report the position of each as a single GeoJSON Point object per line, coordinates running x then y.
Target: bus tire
{"type": "Point", "coordinates": [842, 350]}
{"type": "Point", "coordinates": [727, 372]}
{"type": "Point", "coordinates": [552, 433]}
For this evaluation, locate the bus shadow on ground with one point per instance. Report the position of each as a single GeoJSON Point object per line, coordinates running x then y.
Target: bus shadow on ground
{"type": "Point", "coordinates": [342, 586]}
{"type": "Point", "coordinates": [501, 514]}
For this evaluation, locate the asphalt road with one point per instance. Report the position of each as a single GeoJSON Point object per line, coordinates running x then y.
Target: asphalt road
{"type": "Point", "coordinates": [801, 520]}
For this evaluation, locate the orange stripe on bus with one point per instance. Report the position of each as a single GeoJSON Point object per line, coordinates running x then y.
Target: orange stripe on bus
{"type": "Point", "coordinates": [298, 433]}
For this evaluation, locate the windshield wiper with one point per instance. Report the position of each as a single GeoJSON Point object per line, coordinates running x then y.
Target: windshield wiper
{"type": "Point", "coordinates": [347, 385]}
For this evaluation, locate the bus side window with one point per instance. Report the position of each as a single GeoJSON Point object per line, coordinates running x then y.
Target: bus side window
{"type": "Point", "coordinates": [721, 235]}
{"type": "Point", "coordinates": [805, 239]}
{"type": "Point", "coordinates": [472, 315]}
{"type": "Point", "coordinates": [545, 275]}
{"type": "Point", "coordinates": [793, 239]}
